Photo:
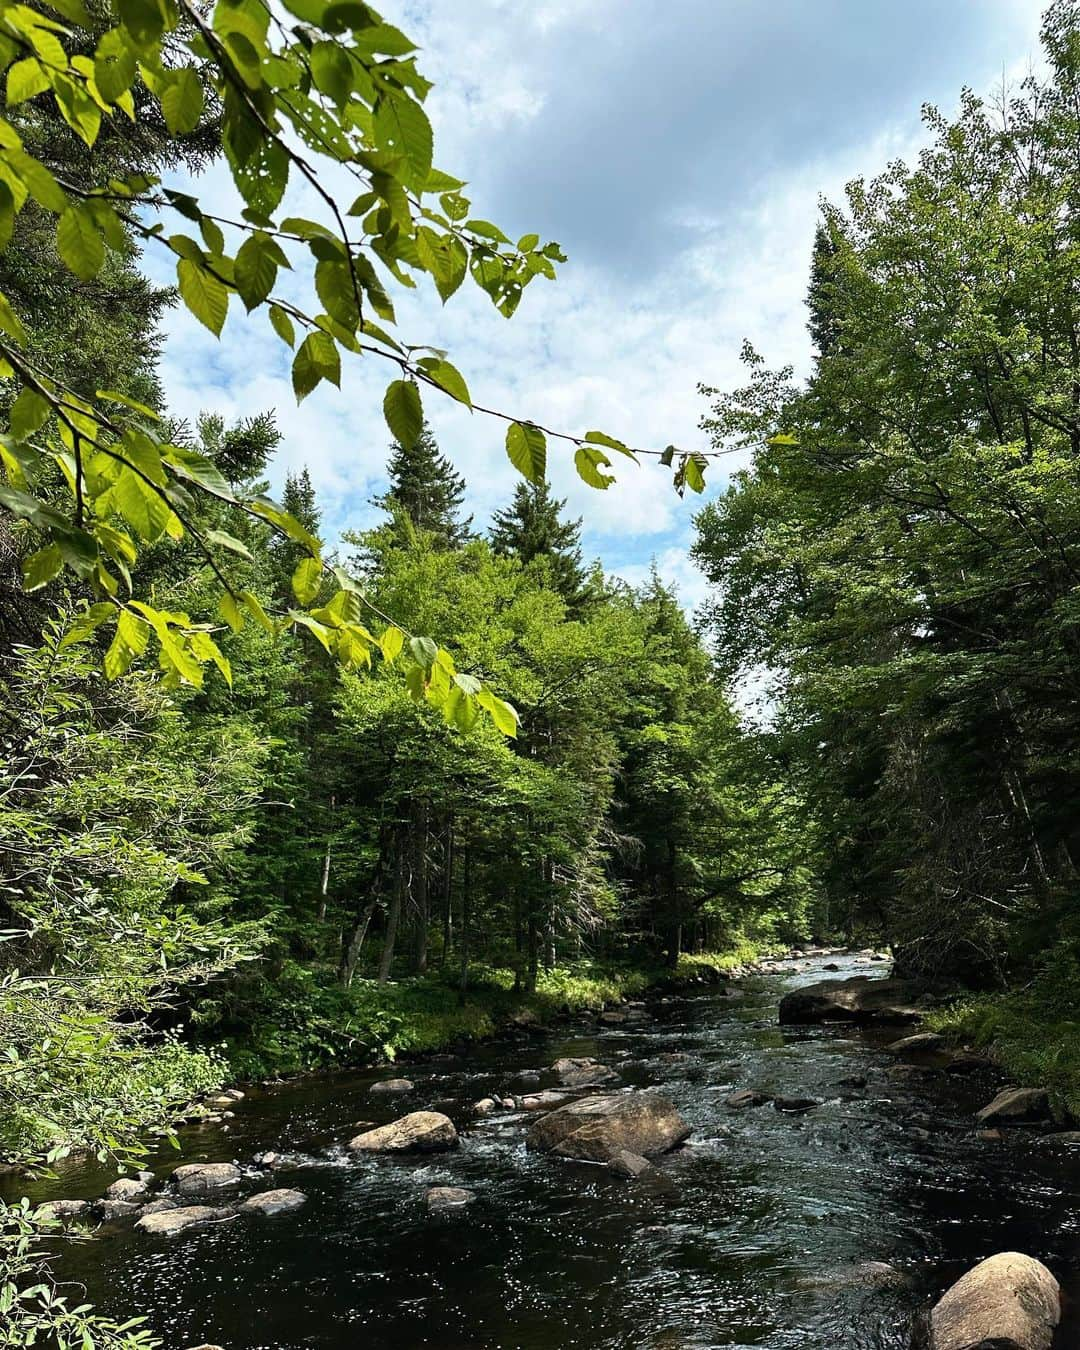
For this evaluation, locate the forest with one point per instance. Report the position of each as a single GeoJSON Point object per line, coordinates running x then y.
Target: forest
{"type": "Point", "coordinates": [275, 802]}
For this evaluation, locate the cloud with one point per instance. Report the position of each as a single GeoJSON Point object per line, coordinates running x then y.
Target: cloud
{"type": "Point", "coordinates": [681, 162]}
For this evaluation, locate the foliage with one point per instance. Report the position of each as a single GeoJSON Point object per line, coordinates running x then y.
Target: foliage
{"type": "Point", "coordinates": [292, 102]}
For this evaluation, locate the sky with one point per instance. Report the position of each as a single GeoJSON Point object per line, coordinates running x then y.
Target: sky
{"type": "Point", "coordinates": [677, 152]}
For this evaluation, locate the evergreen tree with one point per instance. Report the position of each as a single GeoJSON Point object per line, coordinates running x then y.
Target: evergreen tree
{"type": "Point", "coordinates": [532, 527]}
{"type": "Point", "coordinates": [823, 325]}
{"type": "Point", "coordinates": [425, 489]}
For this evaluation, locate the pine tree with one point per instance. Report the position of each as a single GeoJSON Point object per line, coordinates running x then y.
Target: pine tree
{"type": "Point", "coordinates": [820, 296]}
{"type": "Point", "coordinates": [426, 489]}
{"type": "Point", "coordinates": [298, 498]}
{"type": "Point", "coordinates": [532, 527]}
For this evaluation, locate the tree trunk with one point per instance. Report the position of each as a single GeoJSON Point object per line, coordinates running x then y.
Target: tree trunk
{"type": "Point", "coordinates": [448, 892]}
{"type": "Point", "coordinates": [324, 884]}
{"type": "Point", "coordinates": [420, 889]}
{"type": "Point", "coordinates": [350, 956]}
{"type": "Point", "coordinates": [393, 918]}
{"type": "Point", "coordinates": [466, 925]}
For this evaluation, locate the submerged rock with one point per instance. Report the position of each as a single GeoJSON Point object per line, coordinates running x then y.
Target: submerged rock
{"type": "Point", "coordinates": [418, 1132]}
{"type": "Point", "coordinates": [273, 1202]}
{"type": "Point", "coordinates": [795, 1105]}
{"type": "Point", "coordinates": [199, 1178]}
{"type": "Point", "coordinates": [449, 1197]}
{"type": "Point", "coordinates": [967, 1061]}
{"type": "Point", "coordinates": [391, 1086]}
{"type": "Point", "coordinates": [1010, 1302]}
{"type": "Point", "coordinates": [923, 1042]}
{"type": "Point", "coordinates": [596, 1128]}
{"type": "Point", "coordinates": [1013, 1105]}
{"type": "Point", "coordinates": [111, 1211]}
{"type": "Point", "coordinates": [158, 1206]}
{"type": "Point", "coordinates": [169, 1223]}
{"type": "Point", "coordinates": [544, 1101]}
{"type": "Point", "coordinates": [747, 1098]}
{"type": "Point", "coordinates": [860, 1000]}
{"type": "Point", "coordinates": [66, 1211]}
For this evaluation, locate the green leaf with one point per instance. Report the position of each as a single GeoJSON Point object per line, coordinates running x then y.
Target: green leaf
{"type": "Point", "coordinates": [129, 641]}
{"type": "Point", "coordinates": [86, 623]}
{"type": "Point", "coordinates": [527, 447]}
{"type": "Point", "coordinates": [182, 101]}
{"type": "Point", "coordinates": [255, 271]}
{"type": "Point", "coordinates": [401, 127]}
{"type": "Point", "coordinates": [29, 413]}
{"type": "Point", "coordinates": [25, 79]}
{"type": "Point", "coordinates": [447, 377]}
{"type": "Point", "coordinates": [234, 545]}
{"type": "Point", "coordinates": [695, 472]}
{"type": "Point", "coordinates": [282, 325]}
{"type": "Point", "coordinates": [203, 293]}
{"type": "Point", "coordinates": [391, 643]}
{"type": "Point", "coordinates": [588, 463]}
{"type": "Point", "coordinates": [79, 242]}
{"type": "Point", "coordinates": [307, 580]}
{"type": "Point", "coordinates": [231, 612]}
{"type": "Point", "coordinates": [40, 568]}
{"type": "Point", "coordinates": [403, 411]}
{"type": "Point", "coordinates": [318, 359]}
{"type": "Point", "coordinates": [198, 469]}
{"type": "Point", "coordinates": [602, 438]}
{"type": "Point", "coordinates": [423, 651]}
{"type": "Point", "coordinates": [114, 65]}
{"type": "Point", "coordinates": [140, 505]}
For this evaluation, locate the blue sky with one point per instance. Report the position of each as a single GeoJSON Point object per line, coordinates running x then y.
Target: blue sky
{"type": "Point", "coordinates": [677, 152]}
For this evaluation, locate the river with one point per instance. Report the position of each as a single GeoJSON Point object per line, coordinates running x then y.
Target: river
{"type": "Point", "coordinates": [756, 1233]}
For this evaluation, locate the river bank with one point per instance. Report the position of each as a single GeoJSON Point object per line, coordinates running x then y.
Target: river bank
{"type": "Point", "coordinates": [830, 1226]}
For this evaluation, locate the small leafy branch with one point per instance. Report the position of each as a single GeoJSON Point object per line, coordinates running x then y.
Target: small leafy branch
{"type": "Point", "coordinates": [295, 91]}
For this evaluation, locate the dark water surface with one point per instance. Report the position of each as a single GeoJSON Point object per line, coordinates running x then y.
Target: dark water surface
{"type": "Point", "coordinates": [751, 1235]}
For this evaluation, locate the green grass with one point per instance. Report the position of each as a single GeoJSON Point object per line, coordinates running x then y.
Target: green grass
{"type": "Point", "coordinates": [1035, 1044]}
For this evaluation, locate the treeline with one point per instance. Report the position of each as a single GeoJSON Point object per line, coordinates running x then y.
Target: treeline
{"type": "Point", "coordinates": [903, 554]}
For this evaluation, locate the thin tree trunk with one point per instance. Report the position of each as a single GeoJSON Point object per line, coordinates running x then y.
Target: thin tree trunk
{"type": "Point", "coordinates": [448, 892]}
{"type": "Point", "coordinates": [466, 925]}
{"type": "Point", "coordinates": [350, 957]}
{"type": "Point", "coordinates": [420, 889]}
{"type": "Point", "coordinates": [324, 884]}
{"type": "Point", "coordinates": [393, 918]}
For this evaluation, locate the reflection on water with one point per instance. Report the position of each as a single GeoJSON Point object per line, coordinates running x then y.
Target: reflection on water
{"type": "Point", "coordinates": [757, 1233]}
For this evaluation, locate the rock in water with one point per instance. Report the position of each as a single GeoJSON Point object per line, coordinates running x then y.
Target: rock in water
{"type": "Point", "coordinates": [861, 1000]}
{"type": "Point", "coordinates": [1010, 1302]}
{"type": "Point", "coordinates": [449, 1197]}
{"type": "Point", "coordinates": [199, 1178]}
{"type": "Point", "coordinates": [922, 1043]}
{"type": "Point", "coordinates": [577, 1073]}
{"type": "Point", "coordinates": [128, 1189]}
{"type": "Point", "coordinates": [1016, 1104]}
{"type": "Point", "coordinates": [170, 1222]}
{"type": "Point", "coordinates": [748, 1097]}
{"type": "Point", "coordinates": [419, 1132]}
{"type": "Point", "coordinates": [391, 1086]}
{"type": "Point", "coordinates": [595, 1129]}
{"type": "Point", "coordinates": [66, 1211]}
{"type": "Point", "coordinates": [273, 1202]}
{"type": "Point", "coordinates": [630, 1165]}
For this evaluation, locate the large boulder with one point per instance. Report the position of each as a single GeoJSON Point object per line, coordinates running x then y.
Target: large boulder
{"type": "Point", "coordinates": [171, 1222]}
{"type": "Point", "coordinates": [1009, 1302]}
{"type": "Point", "coordinates": [202, 1178]}
{"type": "Point", "coordinates": [597, 1128]}
{"type": "Point", "coordinates": [419, 1132]}
{"type": "Point", "coordinates": [860, 1000]}
{"type": "Point", "coordinates": [1016, 1106]}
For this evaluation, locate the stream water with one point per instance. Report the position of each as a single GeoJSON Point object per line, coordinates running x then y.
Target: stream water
{"type": "Point", "coordinates": [756, 1233]}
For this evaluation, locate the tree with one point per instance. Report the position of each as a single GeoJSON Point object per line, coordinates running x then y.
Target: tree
{"type": "Point", "coordinates": [425, 489]}
{"type": "Point", "coordinates": [532, 527]}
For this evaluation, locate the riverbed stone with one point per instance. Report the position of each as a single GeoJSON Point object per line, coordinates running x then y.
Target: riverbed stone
{"type": "Point", "coordinates": [859, 1000]}
{"type": "Point", "coordinates": [629, 1165]}
{"type": "Point", "coordinates": [391, 1087]}
{"type": "Point", "coordinates": [583, 1072]}
{"type": "Point", "coordinates": [170, 1223]}
{"type": "Point", "coordinates": [922, 1043]}
{"type": "Point", "coordinates": [268, 1160]}
{"type": "Point", "coordinates": [1009, 1302]}
{"type": "Point", "coordinates": [1016, 1106]}
{"type": "Point", "coordinates": [159, 1205]}
{"type": "Point", "coordinates": [594, 1129]}
{"type": "Point", "coordinates": [746, 1099]}
{"type": "Point", "coordinates": [200, 1178]}
{"type": "Point", "coordinates": [66, 1211]}
{"type": "Point", "coordinates": [112, 1211]}
{"type": "Point", "coordinates": [484, 1106]}
{"type": "Point", "coordinates": [544, 1101]}
{"type": "Point", "coordinates": [128, 1188]}
{"type": "Point", "coordinates": [795, 1106]}
{"type": "Point", "coordinates": [418, 1132]}
{"type": "Point", "coordinates": [273, 1202]}
{"type": "Point", "coordinates": [448, 1197]}
{"type": "Point", "coordinates": [968, 1061]}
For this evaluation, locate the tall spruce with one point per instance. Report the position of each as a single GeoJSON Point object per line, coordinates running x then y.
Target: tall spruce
{"type": "Point", "coordinates": [426, 490]}
{"type": "Point", "coordinates": [532, 527]}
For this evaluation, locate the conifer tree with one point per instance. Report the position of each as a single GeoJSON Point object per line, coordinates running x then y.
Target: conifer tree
{"type": "Point", "coordinates": [532, 527]}
{"type": "Point", "coordinates": [425, 488]}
